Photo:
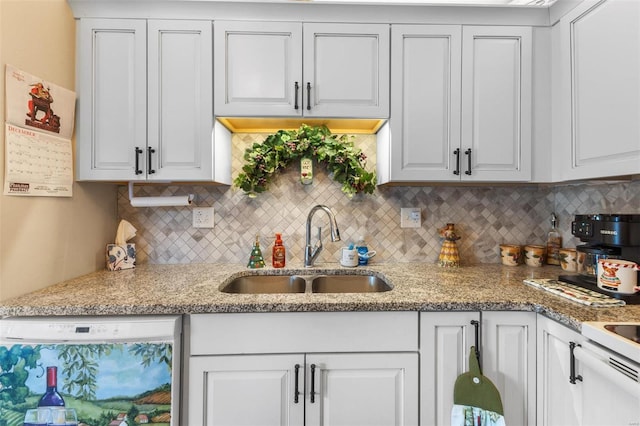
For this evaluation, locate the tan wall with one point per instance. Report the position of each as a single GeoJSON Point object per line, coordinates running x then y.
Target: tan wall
{"type": "Point", "coordinates": [44, 240]}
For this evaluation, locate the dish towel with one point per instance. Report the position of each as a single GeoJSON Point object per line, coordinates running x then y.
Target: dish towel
{"type": "Point", "coordinates": [575, 293]}
{"type": "Point", "coordinates": [476, 400]}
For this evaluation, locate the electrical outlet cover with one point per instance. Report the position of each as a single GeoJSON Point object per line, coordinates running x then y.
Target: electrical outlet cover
{"type": "Point", "coordinates": [410, 217]}
{"type": "Point", "coordinates": [203, 217]}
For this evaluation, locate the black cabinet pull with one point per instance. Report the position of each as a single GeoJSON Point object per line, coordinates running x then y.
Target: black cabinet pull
{"type": "Point", "coordinates": [297, 89]}
{"type": "Point", "coordinates": [468, 153]}
{"type": "Point", "coordinates": [150, 151]}
{"type": "Point", "coordinates": [296, 392]}
{"type": "Point", "coordinates": [456, 152]}
{"type": "Point", "coordinates": [312, 392]}
{"type": "Point", "coordinates": [138, 152]}
{"type": "Point", "coordinates": [572, 364]}
{"type": "Point", "coordinates": [476, 325]}
{"type": "Point", "coordinates": [308, 95]}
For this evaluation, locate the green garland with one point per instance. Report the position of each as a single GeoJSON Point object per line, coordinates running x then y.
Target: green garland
{"type": "Point", "coordinates": [342, 160]}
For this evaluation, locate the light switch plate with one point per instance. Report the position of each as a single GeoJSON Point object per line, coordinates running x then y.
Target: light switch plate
{"type": "Point", "coordinates": [203, 217]}
{"type": "Point", "coordinates": [410, 217]}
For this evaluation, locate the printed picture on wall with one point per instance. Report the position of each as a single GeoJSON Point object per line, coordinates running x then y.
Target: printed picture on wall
{"type": "Point", "coordinates": [116, 384]}
{"type": "Point", "coordinates": [37, 104]}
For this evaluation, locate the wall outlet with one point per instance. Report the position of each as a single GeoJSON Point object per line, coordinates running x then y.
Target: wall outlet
{"type": "Point", "coordinates": [203, 217]}
{"type": "Point", "coordinates": [410, 217]}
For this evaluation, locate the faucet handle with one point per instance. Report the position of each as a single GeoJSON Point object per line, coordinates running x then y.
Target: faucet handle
{"type": "Point", "coordinates": [320, 234]}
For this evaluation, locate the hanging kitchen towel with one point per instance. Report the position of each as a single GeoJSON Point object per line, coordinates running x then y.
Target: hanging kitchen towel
{"type": "Point", "coordinates": [476, 400]}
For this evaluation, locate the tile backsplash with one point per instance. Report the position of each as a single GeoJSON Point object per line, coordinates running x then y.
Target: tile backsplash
{"type": "Point", "coordinates": [484, 216]}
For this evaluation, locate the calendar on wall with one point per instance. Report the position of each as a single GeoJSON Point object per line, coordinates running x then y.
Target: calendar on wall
{"type": "Point", "coordinates": [39, 125]}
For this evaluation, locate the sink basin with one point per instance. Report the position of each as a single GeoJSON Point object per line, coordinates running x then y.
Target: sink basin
{"type": "Point", "coordinates": [265, 284]}
{"type": "Point", "coordinates": [348, 284]}
{"type": "Point", "coordinates": [280, 284]}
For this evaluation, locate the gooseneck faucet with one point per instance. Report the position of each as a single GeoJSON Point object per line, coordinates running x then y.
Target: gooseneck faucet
{"type": "Point", "coordinates": [312, 252]}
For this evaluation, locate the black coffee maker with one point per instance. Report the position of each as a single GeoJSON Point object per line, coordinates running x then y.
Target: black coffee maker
{"type": "Point", "coordinates": [613, 236]}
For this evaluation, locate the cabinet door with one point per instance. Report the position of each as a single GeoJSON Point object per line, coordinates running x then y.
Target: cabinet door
{"type": "Point", "coordinates": [559, 402]}
{"type": "Point", "coordinates": [425, 101]}
{"type": "Point", "coordinates": [445, 341]}
{"type": "Point", "coordinates": [112, 98]}
{"type": "Point", "coordinates": [245, 390]}
{"type": "Point", "coordinates": [362, 389]}
{"type": "Point", "coordinates": [509, 361]}
{"type": "Point", "coordinates": [600, 81]}
{"type": "Point", "coordinates": [180, 110]}
{"type": "Point", "coordinates": [346, 70]}
{"type": "Point", "coordinates": [496, 103]}
{"type": "Point", "coordinates": [258, 65]}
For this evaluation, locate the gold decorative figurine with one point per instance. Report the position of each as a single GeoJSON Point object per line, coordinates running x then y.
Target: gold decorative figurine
{"type": "Point", "coordinates": [449, 256]}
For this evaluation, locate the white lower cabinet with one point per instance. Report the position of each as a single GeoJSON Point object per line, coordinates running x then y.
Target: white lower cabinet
{"type": "Point", "coordinates": [507, 343]}
{"type": "Point", "coordinates": [559, 401]}
{"type": "Point", "coordinates": [269, 369]}
{"type": "Point", "coordinates": [305, 389]}
{"type": "Point", "coordinates": [445, 340]}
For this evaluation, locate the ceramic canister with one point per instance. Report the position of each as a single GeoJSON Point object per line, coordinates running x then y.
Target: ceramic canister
{"type": "Point", "coordinates": [619, 276]}
{"type": "Point", "coordinates": [534, 255]}
{"type": "Point", "coordinates": [568, 259]}
{"type": "Point", "coordinates": [510, 254]}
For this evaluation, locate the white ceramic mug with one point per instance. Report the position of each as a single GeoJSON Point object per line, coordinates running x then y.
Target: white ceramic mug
{"type": "Point", "coordinates": [618, 276]}
{"type": "Point", "coordinates": [349, 257]}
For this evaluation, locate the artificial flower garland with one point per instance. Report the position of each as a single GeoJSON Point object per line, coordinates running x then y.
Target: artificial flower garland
{"type": "Point", "coordinates": [342, 159]}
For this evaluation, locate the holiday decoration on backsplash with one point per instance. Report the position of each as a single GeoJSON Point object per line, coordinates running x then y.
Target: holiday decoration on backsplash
{"type": "Point", "coordinates": [256, 260]}
{"type": "Point", "coordinates": [344, 162]}
{"type": "Point", "coordinates": [449, 257]}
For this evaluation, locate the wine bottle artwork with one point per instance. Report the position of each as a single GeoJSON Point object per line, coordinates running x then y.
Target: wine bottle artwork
{"type": "Point", "coordinates": [51, 397]}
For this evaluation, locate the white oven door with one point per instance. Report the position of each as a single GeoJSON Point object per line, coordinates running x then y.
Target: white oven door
{"type": "Point", "coordinates": [610, 387]}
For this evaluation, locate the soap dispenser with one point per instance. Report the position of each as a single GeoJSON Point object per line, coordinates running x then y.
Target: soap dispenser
{"type": "Point", "coordinates": [255, 259]}
{"type": "Point", "coordinates": [278, 254]}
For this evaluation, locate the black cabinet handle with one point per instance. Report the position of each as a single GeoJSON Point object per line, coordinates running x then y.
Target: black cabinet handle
{"type": "Point", "coordinates": [138, 152]}
{"type": "Point", "coordinates": [297, 89]}
{"type": "Point", "coordinates": [150, 151]}
{"type": "Point", "coordinates": [476, 325]}
{"type": "Point", "coordinates": [572, 364]}
{"type": "Point", "coordinates": [296, 392]}
{"type": "Point", "coordinates": [312, 392]}
{"type": "Point", "coordinates": [308, 95]}
{"type": "Point", "coordinates": [456, 152]}
{"type": "Point", "coordinates": [468, 153]}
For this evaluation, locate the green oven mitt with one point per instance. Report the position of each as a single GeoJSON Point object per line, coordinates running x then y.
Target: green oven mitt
{"type": "Point", "coordinates": [476, 400]}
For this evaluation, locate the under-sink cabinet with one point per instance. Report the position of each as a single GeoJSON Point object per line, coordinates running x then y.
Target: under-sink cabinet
{"type": "Point", "coordinates": [145, 110]}
{"type": "Point", "coordinates": [461, 103]}
{"type": "Point", "coordinates": [355, 368]}
{"type": "Point", "coordinates": [507, 344]}
{"type": "Point", "coordinates": [295, 69]}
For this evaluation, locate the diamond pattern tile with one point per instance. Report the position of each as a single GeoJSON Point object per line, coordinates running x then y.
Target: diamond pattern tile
{"type": "Point", "coordinates": [485, 216]}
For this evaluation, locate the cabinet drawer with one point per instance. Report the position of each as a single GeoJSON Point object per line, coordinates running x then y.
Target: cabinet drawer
{"type": "Point", "coordinates": [291, 332]}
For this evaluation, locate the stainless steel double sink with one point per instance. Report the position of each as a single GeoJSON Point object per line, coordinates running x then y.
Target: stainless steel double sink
{"type": "Point", "coordinates": [278, 284]}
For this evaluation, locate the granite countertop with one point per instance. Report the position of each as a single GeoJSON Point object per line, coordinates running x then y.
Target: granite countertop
{"type": "Point", "coordinates": [194, 288]}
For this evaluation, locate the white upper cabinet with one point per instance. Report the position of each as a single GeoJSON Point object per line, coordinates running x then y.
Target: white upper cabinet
{"type": "Point", "coordinates": [257, 68]}
{"type": "Point", "coordinates": [295, 69]}
{"type": "Point", "coordinates": [145, 103]}
{"type": "Point", "coordinates": [112, 98]}
{"type": "Point", "coordinates": [599, 102]}
{"type": "Point", "coordinates": [461, 104]}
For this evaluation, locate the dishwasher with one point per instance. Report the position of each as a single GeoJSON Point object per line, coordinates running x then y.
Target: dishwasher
{"type": "Point", "coordinates": [95, 371]}
{"type": "Point", "coordinates": [609, 373]}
